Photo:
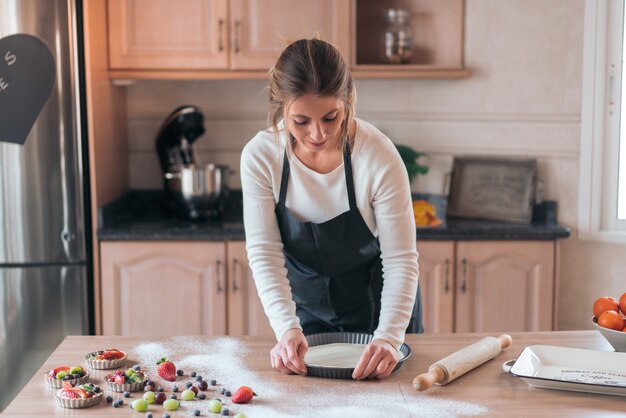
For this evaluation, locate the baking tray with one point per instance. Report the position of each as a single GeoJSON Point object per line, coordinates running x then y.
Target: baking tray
{"type": "Point", "coordinates": [344, 337]}
{"type": "Point", "coordinates": [572, 369]}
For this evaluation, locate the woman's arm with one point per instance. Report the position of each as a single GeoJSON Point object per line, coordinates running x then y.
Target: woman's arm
{"type": "Point", "coordinates": [263, 242]}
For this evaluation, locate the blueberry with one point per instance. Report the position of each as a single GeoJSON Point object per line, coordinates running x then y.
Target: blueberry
{"type": "Point", "coordinates": [201, 396]}
{"type": "Point", "coordinates": [189, 384]}
{"type": "Point", "coordinates": [179, 372]}
{"type": "Point", "coordinates": [173, 396]}
{"type": "Point", "coordinates": [225, 411]}
{"type": "Point", "coordinates": [193, 374]}
{"type": "Point", "coordinates": [120, 401]}
{"type": "Point", "coordinates": [149, 382]}
{"type": "Point", "coordinates": [160, 389]}
{"type": "Point", "coordinates": [175, 389]}
{"type": "Point", "coordinates": [198, 378]}
{"type": "Point", "coordinates": [166, 415]}
{"type": "Point", "coordinates": [227, 393]}
{"type": "Point", "coordinates": [196, 412]}
{"type": "Point", "coordinates": [223, 391]}
{"type": "Point", "coordinates": [127, 394]}
{"type": "Point", "coordinates": [148, 414]}
{"type": "Point", "coordinates": [109, 399]}
{"type": "Point", "coordinates": [213, 382]}
{"type": "Point", "coordinates": [115, 404]}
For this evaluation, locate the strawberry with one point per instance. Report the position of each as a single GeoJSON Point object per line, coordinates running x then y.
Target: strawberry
{"type": "Point", "coordinates": [166, 369]}
{"type": "Point", "coordinates": [119, 378]}
{"type": "Point", "coordinates": [69, 394]}
{"type": "Point", "coordinates": [54, 372]}
{"type": "Point", "coordinates": [243, 395]}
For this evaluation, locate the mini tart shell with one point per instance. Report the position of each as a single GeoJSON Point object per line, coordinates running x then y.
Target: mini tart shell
{"type": "Point", "coordinates": [123, 387]}
{"type": "Point", "coordinates": [104, 364]}
{"type": "Point", "coordinates": [58, 383]}
{"type": "Point", "coordinates": [78, 402]}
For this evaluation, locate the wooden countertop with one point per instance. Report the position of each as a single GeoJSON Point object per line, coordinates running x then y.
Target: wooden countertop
{"type": "Point", "coordinates": [485, 391]}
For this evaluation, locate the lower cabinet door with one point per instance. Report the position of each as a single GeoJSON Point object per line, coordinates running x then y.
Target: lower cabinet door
{"type": "Point", "coordinates": [163, 288]}
{"type": "Point", "coordinates": [505, 286]}
{"type": "Point", "coordinates": [436, 266]}
{"type": "Point", "coordinates": [245, 312]}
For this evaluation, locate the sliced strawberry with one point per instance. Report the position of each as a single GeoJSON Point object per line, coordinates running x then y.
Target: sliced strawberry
{"type": "Point", "coordinates": [69, 393]}
{"type": "Point", "coordinates": [80, 392]}
{"type": "Point", "coordinates": [119, 378]}
{"type": "Point", "coordinates": [67, 385]}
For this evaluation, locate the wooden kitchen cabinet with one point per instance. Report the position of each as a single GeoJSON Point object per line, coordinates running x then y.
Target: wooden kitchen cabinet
{"type": "Point", "coordinates": [163, 288]}
{"type": "Point", "coordinates": [245, 312]}
{"type": "Point", "coordinates": [168, 34]}
{"type": "Point", "coordinates": [436, 267]}
{"type": "Point", "coordinates": [179, 288]}
{"type": "Point", "coordinates": [488, 286]}
{"type": "Point", "coordinates": [218, 34]}
{"type": "Point", "coordinates": [505, 286]}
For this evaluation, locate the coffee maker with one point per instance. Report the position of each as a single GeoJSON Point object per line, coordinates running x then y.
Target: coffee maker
{"type": "Point", "coordinates": [192, 190]}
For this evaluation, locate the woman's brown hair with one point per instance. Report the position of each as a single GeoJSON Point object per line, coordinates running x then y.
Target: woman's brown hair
{"type": "Point", "coordinates": [311, 66]}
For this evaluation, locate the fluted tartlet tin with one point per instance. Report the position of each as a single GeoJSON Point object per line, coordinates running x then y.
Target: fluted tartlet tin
{"type": "Point", "coordinates": [78, 402]}
{"type": "Point", "coordinates": [58, 383]}
{"type": "Point", "coordinates": [348, 338]}
{"type": "Point", "coordinates": [126, 387]}
{"type": "Point", "coordinates": [104, 364]}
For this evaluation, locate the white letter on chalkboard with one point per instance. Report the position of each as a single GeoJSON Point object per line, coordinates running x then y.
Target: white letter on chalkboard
{"type": "Point", "coordinates": [3, 84]}
{"type": "Point", "coordinates": [10, 58]}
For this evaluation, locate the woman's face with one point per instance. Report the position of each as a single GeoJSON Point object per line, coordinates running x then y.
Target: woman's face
{"type": "Point", "coordinates": [315, 122]}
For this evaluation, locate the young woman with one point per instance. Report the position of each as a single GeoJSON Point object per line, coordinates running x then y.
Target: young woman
{"type": "Point", "coordinates": [330, 232]}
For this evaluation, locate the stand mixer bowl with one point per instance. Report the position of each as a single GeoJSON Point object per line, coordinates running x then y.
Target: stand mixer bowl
{"type": "Point", "coordinates": [201, 189]}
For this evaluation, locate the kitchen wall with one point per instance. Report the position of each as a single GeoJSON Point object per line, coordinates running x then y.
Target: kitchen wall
{"type": "Point", "coordinates": [523, 99]}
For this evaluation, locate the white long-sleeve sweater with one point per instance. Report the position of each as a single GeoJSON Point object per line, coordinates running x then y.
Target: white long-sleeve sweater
{"type": "Point", "coordinates": [383, 199]}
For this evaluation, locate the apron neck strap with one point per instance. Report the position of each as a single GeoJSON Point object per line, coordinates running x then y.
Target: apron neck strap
{"type": "Point", "coordinates": [347, 165]}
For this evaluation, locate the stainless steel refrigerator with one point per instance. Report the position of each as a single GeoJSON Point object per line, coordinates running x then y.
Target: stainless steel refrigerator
{"type": "Point", "coordinates": [45, 278]}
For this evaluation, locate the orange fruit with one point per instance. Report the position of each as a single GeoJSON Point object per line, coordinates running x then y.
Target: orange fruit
{"type": "Point", "coordinates": [622, 303]}
{"type": "Point", "coordinates": [611, 320]}
{"type": "Point", "coordinates": [603, 304]}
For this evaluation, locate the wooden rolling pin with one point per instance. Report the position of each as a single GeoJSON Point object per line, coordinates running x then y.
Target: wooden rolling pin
{"type": "Point", "coordinates": [461, 362]}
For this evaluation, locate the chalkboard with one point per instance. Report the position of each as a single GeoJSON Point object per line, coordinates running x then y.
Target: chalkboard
{"type": "Point", "coordinates": [27, 75]}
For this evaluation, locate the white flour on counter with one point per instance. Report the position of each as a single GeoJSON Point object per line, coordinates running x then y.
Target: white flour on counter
{"type": "Point", "coordinates": [222, 359]}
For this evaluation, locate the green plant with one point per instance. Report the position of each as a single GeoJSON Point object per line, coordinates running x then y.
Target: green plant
{"type": "Point", "coordinates": [409, 157]}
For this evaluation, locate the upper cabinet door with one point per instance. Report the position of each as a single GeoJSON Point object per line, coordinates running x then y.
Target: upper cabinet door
{"type": "Point", "coordinates": [168, 34]}
{"type": "Point", "coordinates": [261, 29]}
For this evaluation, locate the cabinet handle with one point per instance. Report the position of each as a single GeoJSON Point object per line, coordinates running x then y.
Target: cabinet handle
{"type": "Point", "coordinates": [446, 286]}
{"type": "Point", "coordinates": [235, 268]}
{"type": "Point", "coordinates": [237, 33]}
{"type": "Point", "coordinates": [464, 283]}
{"type": "Point", "coordinates": [220, 45]}
{"type": "Point", "coordinates": [218, 267]}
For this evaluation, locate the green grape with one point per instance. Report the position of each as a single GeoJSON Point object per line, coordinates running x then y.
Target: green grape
{"type": "Point", "coordinates": [149, 396]}
{"type": "Point", "coordinates": [139, 405]}
{"type": "Point", "coordinates": [215, 406]}
{"type": "Point", "coordinates": [171, 404]}
{"type": "Point", "coordinates": [130, 372]}
{"type": "Point", "coordinates": [76, 370]}
{"type": "Point", "coordinates": [188, 395]}
{"type": "Point", "coordinates": [60, 375]}
{"type": "Point", "coordinates": [240, 415]}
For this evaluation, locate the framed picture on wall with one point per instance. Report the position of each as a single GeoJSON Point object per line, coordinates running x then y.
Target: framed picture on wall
{"type": "Point", "coordinates": [500, 189]}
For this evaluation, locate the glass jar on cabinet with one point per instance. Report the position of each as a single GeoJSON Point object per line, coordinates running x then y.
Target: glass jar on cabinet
{"type": "Point", "coordinates": [397, 37]}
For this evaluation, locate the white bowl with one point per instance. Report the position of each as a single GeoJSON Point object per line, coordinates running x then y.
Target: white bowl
{"type": "Point", "coordinates": [617, 339]}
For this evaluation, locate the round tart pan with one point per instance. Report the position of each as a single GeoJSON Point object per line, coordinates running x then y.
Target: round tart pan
{"type": "Point", "coordinates": [58, 383]}
{"type": "Point", "coordinates": [349, 338]}
{"type": "Point", "coordinates": [105, 364]}
{"type": "Point", "coordinates": [78, 402]}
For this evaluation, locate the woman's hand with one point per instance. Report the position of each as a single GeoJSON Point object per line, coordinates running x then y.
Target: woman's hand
{"type": "Point", "coordinates": [378, 360]}
{"type": "Point", "coordinates": [288, 355]}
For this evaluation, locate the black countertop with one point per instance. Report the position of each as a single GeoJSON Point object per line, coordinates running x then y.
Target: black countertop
{"type": "Point", "coordinates": [140, 215]}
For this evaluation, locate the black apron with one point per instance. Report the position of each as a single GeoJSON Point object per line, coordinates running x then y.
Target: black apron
{"type": "Point", "coordinates": [334, 268]}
